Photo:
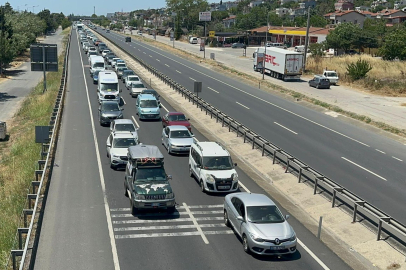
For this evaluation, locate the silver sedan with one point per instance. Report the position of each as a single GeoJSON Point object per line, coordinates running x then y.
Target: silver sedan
{"type": "Point", "coordinates": [260, 224]}
{"type": "Point", "coordinates": [177, 139]}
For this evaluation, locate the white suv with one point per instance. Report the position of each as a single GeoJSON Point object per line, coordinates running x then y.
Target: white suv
{"type": "Point", "coordinates": [212, 166]}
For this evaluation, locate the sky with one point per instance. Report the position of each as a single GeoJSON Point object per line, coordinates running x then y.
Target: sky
{"type": "Point", "coordinates": [85, 7]}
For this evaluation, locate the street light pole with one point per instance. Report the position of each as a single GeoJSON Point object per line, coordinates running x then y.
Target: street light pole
{"type": "Point", "coordinates": [307, 39]}
{"type": "Point", "coordinates": [266, 41]}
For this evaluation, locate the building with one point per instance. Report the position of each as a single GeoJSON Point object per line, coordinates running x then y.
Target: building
{"type": "Point", "coordinates": [390, 13]}
{"type": "Point", "coordinates": [383, 3]}
{"type": "Point", "coordinates": [110, 15]}
{"type": "Point", "coordinates": [287, 1]}
{"type": "Point", "coordinates": [352, 16]}
{"type": "Point", "coordinates": [343, 5]}
{"type": "Point", "coordinates": [362, 8]}
{"type": "Point", "coordinates": [255, 3]}
{"type": "Point", "coordinates": [229, 22]}
{"type": "Point", "coordinates": [397, 20]}
{"type": "Point", "coordinates": [282, 11]}
{"type": "Point", "coordinates": [399, 4]}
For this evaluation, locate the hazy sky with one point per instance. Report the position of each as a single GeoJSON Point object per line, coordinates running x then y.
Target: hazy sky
{"type": "Point", "coordinates": [85, 7]}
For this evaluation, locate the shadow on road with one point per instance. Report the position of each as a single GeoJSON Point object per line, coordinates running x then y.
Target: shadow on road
{"type": "Point", "coordinates": [14, 72]}
{"type": "Point", "coordinates": [6, 97]}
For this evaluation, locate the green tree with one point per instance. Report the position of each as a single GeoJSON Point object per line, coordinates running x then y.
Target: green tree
{"type": "Point", "coordinates": [359, 69]}
{"type": "Point", "coordinates": [66, 23]}
{"type": "Point", "coordinates": [345, 36]}
{"type": "Point", "coordinates": [394, 45]}
{"type": "Point", "coordinates": [189, 10]}
{"type": "Point", "coordinates": [7, 51]}
{"type": "Point", "coordinates": [49, 21]}
{"type": "Point", "coordinates": [316, 49]}
{"type": "Point", "coordinates": [318, 21]}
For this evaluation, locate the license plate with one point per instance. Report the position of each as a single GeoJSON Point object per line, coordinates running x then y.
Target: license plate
{"type": "Point", "coordinates": [224, 187]}
{"type": "Point", "coordinates": [155, 204]}
{"type": "Point", "coordinates": [277, 248]}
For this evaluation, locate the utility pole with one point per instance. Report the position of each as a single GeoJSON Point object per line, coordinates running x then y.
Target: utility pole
{"type": "Point", "coordinates": [94, 10]}
{"type": "Point", "coordinates": [307, 39]}
{"type": "Point", "coordinates": [204, 48]}
{"type": "Point", "coordinates": [266, 41]}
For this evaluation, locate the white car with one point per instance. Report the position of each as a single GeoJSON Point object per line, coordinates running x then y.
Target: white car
{"type": "Point", "coordinates": [177, 139]}
{"type": "Point", "coordinates": [124, 126]}
{"type": "Point", "coordinates": [132, 79]}
{"type": "Point", "coordinates": [117, 147]}
{"type": "Point", "coordinates": [113, 62]}
{"type": "Point", "coordinates": [104, 52]}
{"type": "Point", "coordinates": [136, 88]}
{"type": "Point", "coordinates": [119, 65]}
{"type": "Point", "coordinates": [92, 49]}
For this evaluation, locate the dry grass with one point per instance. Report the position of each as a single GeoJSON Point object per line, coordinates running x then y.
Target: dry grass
{"type": "Point", "coordinates": [403, 104]}
{"type": "Point", "coordinates": [385, 78]}
{"type": "Point", "coordinates": [19, 157]}
{"type": "Point", "coordinates": [393, 266]}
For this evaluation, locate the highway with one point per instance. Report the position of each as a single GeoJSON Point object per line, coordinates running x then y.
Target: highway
{"type": "Point", "coordinates": [367, 163]}
{"type": "Point", "coordinates": [87, 222]}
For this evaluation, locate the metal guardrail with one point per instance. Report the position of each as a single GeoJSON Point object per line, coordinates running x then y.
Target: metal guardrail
{"type": "Point", "coordinates": [44, 168]}
{"type": "Point", "coordinates": [376, 217]}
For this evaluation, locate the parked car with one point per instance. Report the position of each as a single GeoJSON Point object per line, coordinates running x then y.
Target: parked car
{"type": "Point", "coordinates": [238, 45]}
{"type": "Point", "coordinates": [177, 139]}
{"type": "Point", "coordinates": [176, 118]}
{"type": "Point", "coordinates": [319, 81]}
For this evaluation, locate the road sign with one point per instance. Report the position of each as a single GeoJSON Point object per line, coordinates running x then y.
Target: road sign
{"type": "Point", "coordinates": [212, 33]}
{"type": "Point", "coordinates": [197, 88]}
{"type": "Point", "coordinates": [38, 58]}
{"type": "Point", "coordinates": [42, 134]}
{"type": "Point", "coordinates": [205, 16]}
{"type": "Point", "coordinates": [172, 36]}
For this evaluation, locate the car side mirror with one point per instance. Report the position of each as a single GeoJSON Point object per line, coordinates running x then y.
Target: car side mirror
{"type": "Point", "coordinates": [235, 164]}
{"type": "Point", "coordinates": [160, 106]}
{"type": "Point", "coordinates": [169, 177]}
{"type": "Point", "coordinates": [287, 217]}
{"type": "Point", "coordinates": [240, 218]}
{"type": "Point", "coordinates": [122, 109]}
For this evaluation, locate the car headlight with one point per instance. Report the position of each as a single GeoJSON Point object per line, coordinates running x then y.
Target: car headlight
{"type": "Point", "coordinates": [235, 177]}
{"type": "Point", "coordinates": [139, 197]}
{"type": "Point", "coordinates": [292, 238]}
{"type": "Point", "coordinates": [170, 196]}
{"type": "Point", "coordinates": [115, 156]}
{"type": "Point", "coordinates": [210, 178]}
{"type": "Point", "coordinates": [256, 237]}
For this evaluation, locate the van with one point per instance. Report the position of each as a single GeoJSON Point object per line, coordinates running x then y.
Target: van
{"type": "Point", "coordinates": [108, 86]}
{"type": "Point", "coordinates": [193, 40]}
{"type": "Point", "coordinates": [96, 63]}
{"type": "Point", "coordinates": [277, 45]}
{"type": "Point", "coordinates": [148, 107]}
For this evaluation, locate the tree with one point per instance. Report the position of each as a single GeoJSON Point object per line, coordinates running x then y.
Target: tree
{"type": "Point", "coordinates": [318, 21]}
{"type": "Point", "coordinates": [316, 49]}
{"type": "Point", "coordinates": [190, 10]}
{"type": "Point", "coordinates": [6, 33]}
{"type": "Point", "coordinates": [344, 36]}
{"type": "Point", "coordinates": [49, 21]}
{"type": "Point", "coordinates": [133, 23]}
{"type": "Point", "coordinates": [394, 45]}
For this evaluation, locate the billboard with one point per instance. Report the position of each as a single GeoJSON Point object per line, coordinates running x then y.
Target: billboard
{"type": "Point", "coordinates": [205, 16]}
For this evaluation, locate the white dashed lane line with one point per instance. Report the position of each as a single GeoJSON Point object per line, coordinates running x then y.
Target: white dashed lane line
{"type": "Point", "coordinates": [158, 60]}
{"type": "Point", "coordinates": [365, 169]}
{"type": "Point", "coordinates": [167, 65]}
{"type": "Point", "coordinates": [285, 128]}
{"type": "Point", "coordinates": [380, 151]}
{"type": "Point", "coordinates": [135, 121]}
{"type": "Point", "coordinates": [242, 105]}
{"type": "Point", "coordinates": [178, 72]}
{"type": "Point", "coordinates": [192, 79]}
{"type": "Point", "coordinates": [397, 158]}
{"type": "Point", "coordinates": [144, 52]}
{"type": "Point", "coordinates": [164, 107]}
{"type": "Point", "coordinates": [213, 90]}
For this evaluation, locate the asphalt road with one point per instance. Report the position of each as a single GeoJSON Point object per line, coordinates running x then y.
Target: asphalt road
{"type": "Point", "coordinates": [368, 164]}
{"type": "Point", "coordinates": [77, 235]}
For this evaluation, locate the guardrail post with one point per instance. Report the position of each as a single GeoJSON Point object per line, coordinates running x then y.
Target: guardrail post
{"type": "Point", "coordinates": [40, 164]}
{"type": "Point", "coordinates": [263, 148]}
{"type": "Point", "coordinates": [217, 117]}
{"type": "Point", "coordinates": [238, 129]}
{"type": "Point", "coordinates": [356, 203]}
{"type": "Point", "coordinates": [335, 189]}
{"type": "Point", "coordinates": [316, 180]}
{"type": "Point", "coordinates": [31, 197]}
{"type": "Point", "coordinates": [35, 184]}
{"type": "Point", "coordinates": [245, 135]}
{"type": "Point", "coordinates": [38, 173]}
{"type": "Point", "coordinates": [222, 122]}
{"type": "Point", "coordinates": [21, 231]}
{"type": "Point", "coordinates": [381, 219]}
{"type": "Point", "coordinates": [27, 212]}
{"type": "Point", "coordinates": [301, 171]}
{"type": "Point", "coordinates": [15, 253]}
{"type": "Point", "coordinates": [288, 162]}
{"type": "Point", "coordinates": [319, 230]}
{"type": "Point", "coordinates": [253, 141]}
{"type": "Point", "coordinates": [274, 155]}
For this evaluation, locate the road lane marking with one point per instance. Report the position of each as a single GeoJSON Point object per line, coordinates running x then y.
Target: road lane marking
{"type": "Point", "coordinates": [213, 90]}
{"type": "Point", "coordinates": [313, 255]}
{"type": "Point", "coordinates": [158, 60]}
{"type": "Point", "coordinates": [172, 234]}
{"type": "Point", "coordinates": [285, 128]}
{"type": "Point", "coordinates": [150, 56]}
{"type": "Point", "coordinates": [380, 151]}
{"type": "Point", "coordinates": [365, 169]}
{"type": "Point", "coordinates": [192, 79]}
{"type": "Point", "coordinates": [242, 105]}
{"type": "Point", "coordinates": [244, 187]}
{"type": "Point", "coordinates": [172, 227]}
{"type": "Point", "coordinates": [397, 158]}
{"type": "Point", "coordinates": [101, 176]}
{"type": "Point", "coordinates": [139, 49]}
{"type": "Point", "coordinates": [178, 72]}
{"type": "Point", "coordinates": [135, 121]}
{"type": "Point", "coordinates": [167, 65]}
{"type": "Point", "coordinates": [196, 224]}
{"type": "Point", "coordinates": [144, 52]}
{"type": "Point", "coordinates": [252, 95]}
{"type": "Point", "coordinates": [124, 101]}
{"type": "Point", "coordinates": [164, 107]}
{"type": "Point", "coordinates": [141, 221]}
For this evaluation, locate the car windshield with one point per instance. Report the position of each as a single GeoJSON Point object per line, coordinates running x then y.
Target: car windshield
{"type": "Point", "coordinates": [148, 104]}
{"type": "Point", "coordinates": [121, 68]}
{"type": "Point", "coordinates": [129, 72]}
{"type": "Point", "coordinates": [150, 174]}
{"type": "Point", "coordinates": [331, 74]}
{"type": "Point", "coordinates": [120, 65]}
{"type": "Point", "coordinates": [177, 117]}
{"type": "Point", "coordinates": [98, 65]}
{"type": "Point", "coordinates": [92, 53]}
{"type": "Point", "coordinates": [123, 142]}
{"type": "Point", "coordinates": [264, 214]}
{"type": "Point", "coordinates": [137, 85]}
{"type": "Point", "coordinates": [125, 127]}
{"type": "Point", "coordinates": [180, 134]}
{"type": "Point", "coordinates": [133, 79]}
{"type": "Point", "coordinates": [109, 87]}
{"type": "Point", "coordinates": [110, 107]}
{"type": "Point", "coordinates": [217, 163]}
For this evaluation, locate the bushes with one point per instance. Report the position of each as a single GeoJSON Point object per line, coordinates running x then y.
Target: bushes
{"type": "Point", "coordinates": [358, 70]}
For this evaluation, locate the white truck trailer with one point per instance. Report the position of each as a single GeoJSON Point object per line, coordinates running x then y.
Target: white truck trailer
{"type": "Point", "coordinates": [279, 63]}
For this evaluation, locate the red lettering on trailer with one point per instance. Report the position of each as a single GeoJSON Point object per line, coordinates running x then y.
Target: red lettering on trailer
{"type": "Point", "coordinates": [271, 59]}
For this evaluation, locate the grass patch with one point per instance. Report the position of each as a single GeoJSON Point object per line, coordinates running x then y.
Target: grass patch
{"type": "Point", "coordinates": [19, 156]}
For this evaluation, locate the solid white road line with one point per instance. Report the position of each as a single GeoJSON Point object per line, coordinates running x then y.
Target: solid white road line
{"type": "Point", "coordinates": [196, 224]}
{"type": "Point", "coordinates": [252, 95]}
{"type": "Point", "coordinates": [124, 101]}
{"type": "Point", "coordinates": [135, 121]}
{"type": "Point", "coordinates": [101, 176]}
{"type": "Point", "coordinates": [397, 158]}
{"type": "Point", "coordinates": [285, 128]}
{"type": "Point", "coordinates": [380, 151]}
{"type": "Point", "coordinates": [213, 90]}
{"type": "Point", "coordinates": [242, 105]}
{"type": "Point", "coordinates": [164, 107]}
{"type": "Point", "coordinates": [365, 169]}
{"type": "Point", "coordinates": [178, 72]}
{"type": "Point", "coordinates": [192, 79]}
{"type": "Point", "coordinates": [313, 255]}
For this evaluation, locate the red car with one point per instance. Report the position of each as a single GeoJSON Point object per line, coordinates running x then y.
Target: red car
{"type": "Point", "coordinates": [176, 119]}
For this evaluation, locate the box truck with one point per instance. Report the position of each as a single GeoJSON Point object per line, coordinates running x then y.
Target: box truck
{"type": "Point", "coordinates": [279, 63]}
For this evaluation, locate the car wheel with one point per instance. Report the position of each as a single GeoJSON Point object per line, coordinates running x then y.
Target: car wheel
{"type": "Point", "coordinates": [171, 210]}
{"type": "Point", "coordinates": [169, 151]}
{"type": "Point", "coordinates": [202, 186]}
{"type": "Point", "coordinates": [226, 221]}
{"type": "Point", "coordinates": [125, 191]}
{"type": "Point", "coordinates": [245, 244]}
{"type": "Point", "coordinates": [134, 210]}
{"type": "Point", "coordinates": [190, 171]}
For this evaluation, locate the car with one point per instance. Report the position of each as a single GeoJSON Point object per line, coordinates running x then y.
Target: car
{"type": "Point", "coordinates": [108, 31]}
{"type": "Point", "coordinates": [154, 93]}
{"type": "Point", "coordinates": [119, 65]}
{"type": "Point", "coordinates": [120, 70]}
{"type": "Point", "coordinates": [117, 147]}
{"type": "Point", "coordinates": [259, 223]}
{"type": "Point", "coordinates": [96, 76]}
{"type": "Point", "coordinates": [319, 81]}
{"type": "Point", "coordinates": [211, 164]}
{"type": "Point", "coordinates": [130, 79]}
{"type": "Point", "coordinates": [84, 45]}
{"type": "Point", "coordinates": [177, 139]}
{"type": "Point", "coordinates": [96, 43]}
{"type": "Point", "coordinates": [127, 39]}
{"type": "Point", "coordinates": [176, 118]}
{"type": "Point", "coordinates": [113, 61]}
{"type": "Point", "coordinates": [124, 126]}
{"type": "Point", "coordinates": [238, 45]}
{"type": "Point", "coordinates": [91, 53]}
{"type": "Point", "coordinates": [109, 58]}
{"type": "Point", "coordinates": [136, 89]}
{"type": "Point", "coordinates": [108, 111]}
{"type": "Point", "coordinates": [91, 49]}
{"type": "Point", "coordinates": [147, 107]}
{"type": "Point", "coordinates": [126, 73]}
{"type": "Point", "coordinates": [104, 52]}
